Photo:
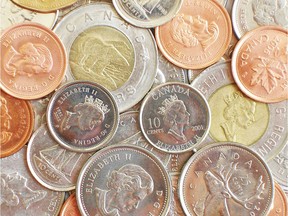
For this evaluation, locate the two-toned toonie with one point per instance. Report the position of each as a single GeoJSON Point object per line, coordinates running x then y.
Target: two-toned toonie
{"type": "Point", "coordinates": [226, 179]}
{"type": "Point", "coordinates": [147, 14]}
{"type": "Point", "coordinates": [238, 118]}
{"type": "Point", "coordinates": [21, 194]}
{"type": "Point", "coordinates": [82, 116]}
{"type": "Point", "coordinates": [103, 48]}
{"type": "Point", "coordinates": [259, 64]}
{"type": "Point", "coordinates": [174, 117]}
{"type": "Point", "coordinates": [123, 180]}
{"type": "Point", "coordinates": [33, 61]}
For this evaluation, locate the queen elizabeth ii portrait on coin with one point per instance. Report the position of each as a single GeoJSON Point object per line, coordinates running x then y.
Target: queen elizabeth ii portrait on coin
{"type": "Point", "coordinates": [5, 121]}
{"type": "Point", "coordinates": [127, 186]}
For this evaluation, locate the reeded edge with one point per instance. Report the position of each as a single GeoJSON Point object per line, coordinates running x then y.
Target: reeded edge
{"type": "Point", "coordinates": [208, 117]}
{"type": "Point", "coordinates": [63, 53]}
{"type": "Point", "coordinates": [218, 144]}
{"type": "Point", "coordinates": [235, 26]}
{"type": "Point", "coordinates": [146, 24]}
{"type": "Point", "coordinates": [121, 147]}
{"type": "Point", "coordinates": [234, 59]}
{"type": "Point", "coordinates": [66, 145]}
{"type": "Point", "coordinates": [32, 170]}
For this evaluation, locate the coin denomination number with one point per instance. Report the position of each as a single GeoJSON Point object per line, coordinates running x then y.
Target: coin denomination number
{"type": "Point", "coordinates": [155, 123]}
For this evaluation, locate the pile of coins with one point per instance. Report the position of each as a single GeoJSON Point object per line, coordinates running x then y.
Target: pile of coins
{"type": "Point", "coordinates": [144, 107]}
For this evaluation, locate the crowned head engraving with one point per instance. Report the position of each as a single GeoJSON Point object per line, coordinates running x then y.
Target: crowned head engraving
{"type": "Point", "coordinates": [5, 120]}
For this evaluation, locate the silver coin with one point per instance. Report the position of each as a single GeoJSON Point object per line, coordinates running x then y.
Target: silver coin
{"type": "Point", "coordinates": [103, 48]}
{"type": "Point", "coordinates": [226, 179]}
{"type": "Point", "coordinates": [237, 118]}
{"type": "Point", "coordinates": [51, 165]}
{"type": "Point", "coordinates": [66, 10]}
{"type": "Point", "coordinates": [123, 180]}
{"type": "Point", "coordinates": [175, 117]}
{"type": "Point", "coordinates": [12, 14]}
{"type": "Point", "coordinates": [82, 116]}
{"type": "Point", "coordinates": [21, 194]}
{"type": "Point", "coordinates": [147, 14]}
{"type": "Point", "coordinates": [250, 14]}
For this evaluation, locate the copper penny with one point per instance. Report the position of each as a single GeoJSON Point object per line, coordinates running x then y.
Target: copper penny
{"type": "Point", "coordinates": [280, 202]}
{"type": "Point", "coordinates": [197, 36]}
{"type": "Point", "coordinates": [70, 207]}
{"type": "Point", "coordinates": [259, 64]}
{"type": "Point", "coordinates": [17, 121]}
{"type": "Point", "coordinates": [33, 61]}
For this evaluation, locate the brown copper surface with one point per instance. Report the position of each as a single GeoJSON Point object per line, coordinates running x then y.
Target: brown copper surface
{"type": "Point", "coordinates": [16, 124]}
{"type": "Point", "coordinates": [259, 64]}
{"type": "Point", "coordinates": [70, 207]}
{"type": "Point", "coordinates": [280, 202]}
{"type": "Point", "coordinates": [33, 61]}
{"type": "Point", "coordinates": [197, 36]}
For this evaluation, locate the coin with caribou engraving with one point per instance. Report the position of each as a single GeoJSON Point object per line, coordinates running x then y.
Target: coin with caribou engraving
{"type": "Point", "coordinates": [226, 179]}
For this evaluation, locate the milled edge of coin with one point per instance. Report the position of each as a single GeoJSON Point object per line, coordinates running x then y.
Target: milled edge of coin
{"type": "Point", "coordinates": [236, 28]}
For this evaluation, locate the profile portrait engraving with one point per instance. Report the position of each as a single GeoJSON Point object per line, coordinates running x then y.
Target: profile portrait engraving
{"type": "Point", "coordinates": [127, 187]}
{"type": "Point", "coordinates": [29, 60]}
{"type": "Point", "coordinates": [175, 117]}
{"type": "Point", "coordinates": [85, 116]}
{"type": "Point", "coordinates": [191, 31]}
{"type": "Point", "coordinates": [15, 192]}
{"type": "Point", "coordinates": [5, 119]}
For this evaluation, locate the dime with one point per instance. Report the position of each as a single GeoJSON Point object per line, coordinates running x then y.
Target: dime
{"type": "Point", "coordinates": [21, 194]}
{"type": "Point", "coordinates": [16, 124]}
{"type": "Point", "coordinates": [33, 61]}
{"type": "Point", "coordinates": [280, 202]}
{"type": "Point", "coordinates": [259, 64]}
{"type": "Point", "coordinates": [82, 116]}
{"type": "Point", "coordinates": [123, 180]}
{"type": "Point", "coordinates": [251, 14]}
{"type": "Point", "coordinates": [175, 117]}
{"type": "Point", "coordinates": [226, 179]}
{"type": "Point", "coordinates": [51, 165]}
{"type": "Point", "coordinates": [237, 118]}
{"type": "Point", "coordinates": [12, 14]}
{"type": "Point", "coordinates": [70, 207]}
{"type": "Point", "coordinates": [147, 14]}
{"type": "Point", "coordinates": [197, 36]}
{"type": "Point", "coordinates": [103, 48]}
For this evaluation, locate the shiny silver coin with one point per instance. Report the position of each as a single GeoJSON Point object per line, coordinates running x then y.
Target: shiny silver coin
{"type": "Point", "coordinates": [21, 194]}
{"type": "Point", "coordinates": [226, 179]}
{"type": "Point", "coordinates": [174, 117]}
{"type": "Point", "coordinates": [51, 165]}
{"type": "Point", "coordinates": [147, 14]}
{"type": "Point", "coordinates": [123, 180]}
{"type": "Point", "coordinates": [103, 48]}
{"type": "Point", "coordinates": [82, 116]}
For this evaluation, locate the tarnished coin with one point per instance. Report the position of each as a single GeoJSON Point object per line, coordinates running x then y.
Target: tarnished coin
{"type": "Point", "coordinates": [237, 118]}
{"type": "Point", "coordinates": [123, 180]}
{"type": "Point", "coordinates": [259, 64]}
{"type": "Point", "coordinates": [175, 117]}
{"type": "Point", "coordinates": [226, 179]}
{"type": "Point", "coordinates": [33, 61]}
{"type": "Point", "coordinates": [21, 194]}
{"type": "Point", "coordinates": [11, 14]}
{"type": "Point", "coordinates": [44, 6]}
{"type": "Point", "coordinates": [82, 116]}
{"type": "Point", "coordinates": [70, 207]}
{"type": "Point", "coordinates": [103, 48]}
{"type": "Point", "coordinates": [279, 203]}
{"type": "Point", "coordinates": [197, 36]}
{"type": "Point", "coordinates": [51, 165]}
{"type": "Point", "coordinates": [147, 14]}
{"type": "Point", "coordinates": [251, 14]}
{"type": "Point", "coordinates": [17, 121]}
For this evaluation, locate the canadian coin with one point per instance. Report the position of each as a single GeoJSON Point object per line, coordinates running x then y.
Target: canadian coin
{"type": "Point", "coordinates": [103, 48]}
{"type": "Point", "coordinates": [16, 124]}
{"type": "Point", "coordinates": [259, 64]}
{"type": "Point", "coordinates": [147, 14]}
{"type": "Point", "coordinates": [33, 61]}
{"type": "Point", "coordinates": [12, 14]}
{"type": "Point", "coordinates": [123, 180]}
{"type": "Point", "coordinates": [70, 207]}
{"type": "Point", "coordinates": [66, 10]}
{"type": "Point", "coordinates": [197, 36]}
{"type": "Point", "coordinates": [251, 14]}
{"type": "Point", "coordinates": [175, 117]}
{"type": "Point", "coordinates": [226, 179]}
{"type": "Point", "coordinates": [237, 118]}
{"type": "Point", "coordinates": [51, 165]}
{"type": "Point", "coordinates": [21, 194]}
{"type": "Point", "coordinates": [279, 203]}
